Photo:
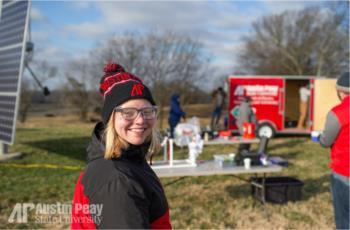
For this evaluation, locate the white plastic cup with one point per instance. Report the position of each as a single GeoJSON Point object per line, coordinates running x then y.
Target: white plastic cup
{"type": "Point", "coordinates": [315, 136]}
{"type": "Point", "coordinates": [247, 162]}
{"type": "Point", "coordinates": [264, 161]}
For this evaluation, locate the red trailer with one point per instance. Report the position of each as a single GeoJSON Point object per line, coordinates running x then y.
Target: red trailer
{"type": "Point", "coordinates": [275, 101]}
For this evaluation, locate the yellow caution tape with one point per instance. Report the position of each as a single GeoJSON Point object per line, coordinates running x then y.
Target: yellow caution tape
{"type": "Point", "coordinates": [49, 166]}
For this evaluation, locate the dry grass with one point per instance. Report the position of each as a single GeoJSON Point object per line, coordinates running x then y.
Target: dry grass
{"type": "Point", "coordinates": [195, 202]}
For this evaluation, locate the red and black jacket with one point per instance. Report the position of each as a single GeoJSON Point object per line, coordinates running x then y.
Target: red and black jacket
{"type": "Point", "coordinates": [126, 188]}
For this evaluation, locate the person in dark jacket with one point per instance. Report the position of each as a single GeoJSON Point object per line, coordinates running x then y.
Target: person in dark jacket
{"type": "Point", "coordinates": [336, 136]}
{"type": "Point", "coordinates": [245, 114]}
{"type": "Point", "coordinates": [118, 188]}
{"type": "Point", "coordinates": [218, 98]}
{"type": "Point", "coordinates": [175, 113]}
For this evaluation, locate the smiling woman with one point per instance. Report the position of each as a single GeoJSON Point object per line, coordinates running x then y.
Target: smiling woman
{"type": "Point", "coordinates": [117, 175]}
{"type": "Point", "coordinates": [130, 125]}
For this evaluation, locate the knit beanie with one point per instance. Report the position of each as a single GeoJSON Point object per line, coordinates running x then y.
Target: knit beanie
{"type": "Point", "coordinates": [118, 86]}
{"type": "Point", "coordinates": [343, 83]}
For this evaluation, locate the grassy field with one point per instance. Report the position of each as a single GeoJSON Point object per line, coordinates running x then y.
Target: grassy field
{"type": "Point", "coordinates": [50, 145]}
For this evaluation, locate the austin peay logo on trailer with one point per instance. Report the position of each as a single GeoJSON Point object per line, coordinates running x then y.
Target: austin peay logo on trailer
{"type": "Point", "coordinates": [260, 94]}
{"type": "Point", "coordinates": [256, 90]}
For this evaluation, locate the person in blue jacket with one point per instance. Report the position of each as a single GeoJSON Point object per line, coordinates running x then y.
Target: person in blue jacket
{"type": "Point", "coordinates": [175, 113]}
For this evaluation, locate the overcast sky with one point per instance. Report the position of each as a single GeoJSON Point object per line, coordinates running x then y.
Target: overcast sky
{"type": "Point", "coordinates": [69, 29]}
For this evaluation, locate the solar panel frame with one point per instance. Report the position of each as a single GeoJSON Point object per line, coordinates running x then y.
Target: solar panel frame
{"type": "Point", "coordinates": [14, 20]}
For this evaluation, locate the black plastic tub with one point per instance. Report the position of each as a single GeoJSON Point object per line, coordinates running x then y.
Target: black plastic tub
{"type": "Point", "coordinates": [278, 189]}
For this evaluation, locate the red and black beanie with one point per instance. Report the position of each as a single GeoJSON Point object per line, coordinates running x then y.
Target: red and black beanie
{"type": "Point", "coordinates": [118, 86]}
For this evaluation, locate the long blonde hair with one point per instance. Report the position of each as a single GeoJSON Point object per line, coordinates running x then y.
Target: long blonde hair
{"type": "Point", "coordinates": [115, 144]}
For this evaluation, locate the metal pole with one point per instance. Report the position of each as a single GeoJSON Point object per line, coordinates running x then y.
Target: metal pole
{"type": "Point", "coordinates": [165, 150]}
{"type": "Point", "coordinates": [171, 157]}
{"type": "Point", "coordinates": [3, 148]}
{"type": "Point", "coordinates": [4, 155]}
{"type": "Point", "coordinates": [34, 76]}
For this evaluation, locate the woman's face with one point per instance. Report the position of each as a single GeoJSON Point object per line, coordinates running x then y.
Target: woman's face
{"type": "Point", "coordinates": [134, 131]}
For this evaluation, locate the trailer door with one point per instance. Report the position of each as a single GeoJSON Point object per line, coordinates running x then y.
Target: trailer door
{"type": "Point", "coordinates": [267, 95]}
{"type": "Point", "coordinates": [324, 97]}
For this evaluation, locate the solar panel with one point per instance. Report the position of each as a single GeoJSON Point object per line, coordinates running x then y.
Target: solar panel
{"type": "Point", "coordinates": [14, 16]}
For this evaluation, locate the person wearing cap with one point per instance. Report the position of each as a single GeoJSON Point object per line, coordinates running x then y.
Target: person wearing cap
{"type": "Point", "coordinates": [245, 114]}
{"type": "Point", "coordinates": [336, 136]}
{"type": "Point", "coordinates": [118, 188]}
{"type": "Point", "coordinates": [218, 98]}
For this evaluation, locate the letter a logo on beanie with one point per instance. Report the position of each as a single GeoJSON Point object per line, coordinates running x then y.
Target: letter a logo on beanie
{"type": "Point", "coordinates": [137, 89]}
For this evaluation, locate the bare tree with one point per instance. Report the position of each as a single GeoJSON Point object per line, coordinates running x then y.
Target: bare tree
{"type": "Point", "coordinates": [306, 42]}
{"type": "Point", "coordinates": [167, 62]}
{"type": "Point", "coordinates": [341, 13]}
{"type": "Point", "coordinates": [77, 90]}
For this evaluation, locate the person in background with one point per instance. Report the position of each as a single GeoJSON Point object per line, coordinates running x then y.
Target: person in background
{"type": "Point", "coordinates": [245, 114]}
{"type": "Point", "coordinates": [304, 93]}
{"type": "Point", "coordinates": [118, 181]}
{"type": "Point", "coordinates": [336, 136]}
{"type": "Point", "coordinates": [218, 98]}
{"type": "Point", "coordinates": [175, 113]}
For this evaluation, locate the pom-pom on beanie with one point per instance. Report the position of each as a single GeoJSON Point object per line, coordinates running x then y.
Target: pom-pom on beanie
{"type": "Point", "coordinates": [118, 86]}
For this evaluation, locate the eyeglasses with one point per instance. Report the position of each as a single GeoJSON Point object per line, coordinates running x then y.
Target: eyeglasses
{"type": "Point", "coordinates": [148, 113]}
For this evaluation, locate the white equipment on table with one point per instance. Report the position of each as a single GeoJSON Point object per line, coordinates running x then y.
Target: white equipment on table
{"type": "Point", "coordinates": [185, 131]}
{"type": "Point", "coordinates": [195, 147]}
